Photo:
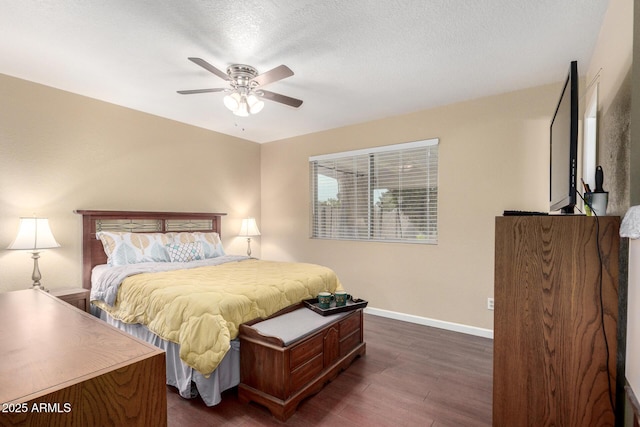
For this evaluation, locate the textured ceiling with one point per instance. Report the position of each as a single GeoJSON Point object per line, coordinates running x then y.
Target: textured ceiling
{"type": "Point", "coordinates": [354, 61]}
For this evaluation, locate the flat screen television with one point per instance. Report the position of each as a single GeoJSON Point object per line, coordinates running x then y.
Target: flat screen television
{"type": "Point", "coordinates": [564, 147]}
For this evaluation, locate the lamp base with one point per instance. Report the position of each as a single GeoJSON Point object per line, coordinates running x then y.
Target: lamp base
{"type": "Point", "coordinates": [36, 276]}
{"type": "Point", "coordinates": [249, 246]}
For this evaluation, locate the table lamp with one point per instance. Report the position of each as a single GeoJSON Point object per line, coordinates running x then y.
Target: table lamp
{"type": "Point", "coordinates": [249, 228]}
{"type": "Point", "coordinates": [34, 234]}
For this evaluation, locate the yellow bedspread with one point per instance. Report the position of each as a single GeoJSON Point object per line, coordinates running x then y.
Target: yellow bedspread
{"type": "Point", "coordinates": [202, 308]}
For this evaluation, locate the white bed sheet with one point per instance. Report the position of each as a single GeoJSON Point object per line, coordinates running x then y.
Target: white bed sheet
{"type": "Point", "coordinates": [189, 382]}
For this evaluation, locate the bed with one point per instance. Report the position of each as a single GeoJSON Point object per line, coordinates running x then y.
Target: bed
{"type": "Point", "coordinates": [180, 291]}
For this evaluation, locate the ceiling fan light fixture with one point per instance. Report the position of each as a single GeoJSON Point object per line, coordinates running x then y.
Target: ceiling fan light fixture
{"type": "Point", "coordinates": [245, 96]}
{"type": "Point", "coordinates": [243, 108]}
{"type": "Point", "coordinates": [255, 104]}
{"type": "Point", "coordinates": [243, 105]}
{"type": "Point", "coordinates": [232, 101]}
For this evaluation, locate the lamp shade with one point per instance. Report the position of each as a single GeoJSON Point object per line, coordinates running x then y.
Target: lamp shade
{"type": "Point", "coordinates": [630, 226]}
{"type": "Point", "coordinates": [249, 228]}
{"type": "Point", "coordinates": [33, 234]}
{"type": "Point", "coordinates": [255, 104]}
{"type": "Point", "coordinates": [243, 108]}
{"type": "Point", "coordinates": [232, 101]}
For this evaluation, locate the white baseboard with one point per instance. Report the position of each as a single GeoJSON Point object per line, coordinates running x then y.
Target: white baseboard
{"type": "Point", "coordinates": [441, 324]}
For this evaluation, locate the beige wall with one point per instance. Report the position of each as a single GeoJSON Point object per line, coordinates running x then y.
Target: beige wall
{"type": "Point", "coordinates": [60, 152]}
{"type": "Point", "coordinates": [610, 74]}
{"type": "Point", "coordinates": [493, 156]}
{"type": "Point", "coordinates": [633, 308]}
{"type": "Point", "coordinates": [618, 115]}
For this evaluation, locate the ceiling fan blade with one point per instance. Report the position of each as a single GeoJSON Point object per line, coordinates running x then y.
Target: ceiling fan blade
{"type": "Point", "coordinates": [190, 92]}
{"type": "Point", "coordinates": [204, 64]}
{"type": "Point", "coordinates": [283, 99]}
{"type": "Point", "coordinates": [278, 73]}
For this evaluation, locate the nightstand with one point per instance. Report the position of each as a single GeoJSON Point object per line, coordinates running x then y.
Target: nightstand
{"type": "Point", "coordinates": [77, 297]}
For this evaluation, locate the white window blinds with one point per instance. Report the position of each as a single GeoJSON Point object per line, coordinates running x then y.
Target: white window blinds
{"type": "Point", "coordinates": [385, 193]}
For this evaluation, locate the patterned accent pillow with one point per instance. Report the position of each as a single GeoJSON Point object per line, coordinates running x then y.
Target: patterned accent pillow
{"type": "Point", "coordinates": [211, 243]}
{"type": "Point", "coordinates": [185, 252]}
{"type": "Point", "coordinates": [124, 248]}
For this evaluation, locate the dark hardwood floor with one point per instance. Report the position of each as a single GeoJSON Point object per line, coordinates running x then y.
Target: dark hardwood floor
{"type": "Point", "coordinates": [412, 375]}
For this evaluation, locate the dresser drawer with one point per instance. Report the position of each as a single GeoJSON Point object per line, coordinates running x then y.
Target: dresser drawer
{"type": "Point", "coordinates": [306, 372]}
{"type": "Point", "coordinates": [305, 351]}
{"type": "Point", "coordinates": [350, 324]}
{"type": "Point", "coordinates": [349, 343]}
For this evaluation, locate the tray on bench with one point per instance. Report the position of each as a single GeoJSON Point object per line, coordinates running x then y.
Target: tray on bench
{"type": "Point", "coordinates": [352, 304]}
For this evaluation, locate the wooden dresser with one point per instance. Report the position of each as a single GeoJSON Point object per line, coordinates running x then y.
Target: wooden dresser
{"type": "Point", "coordinates": [555, 298]}
{"type": "Point", "coordinates": [279, 374]}
{"type": "Point", "coordinates": [63, 367]}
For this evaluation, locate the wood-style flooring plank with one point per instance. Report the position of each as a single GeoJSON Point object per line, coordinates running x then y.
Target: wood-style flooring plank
{"type": "Point", "coordinates": [412, 375]}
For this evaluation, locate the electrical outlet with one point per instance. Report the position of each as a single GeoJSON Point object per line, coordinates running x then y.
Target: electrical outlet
{"type": "Point", "coordinates": [489, 303]}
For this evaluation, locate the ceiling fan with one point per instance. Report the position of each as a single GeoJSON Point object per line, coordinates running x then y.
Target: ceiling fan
{"type": "Point", "coordinates": [245, 94]}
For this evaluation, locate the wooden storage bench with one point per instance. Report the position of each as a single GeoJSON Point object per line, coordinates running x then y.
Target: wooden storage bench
{"type": "Point", "coordinates": [290, 356]}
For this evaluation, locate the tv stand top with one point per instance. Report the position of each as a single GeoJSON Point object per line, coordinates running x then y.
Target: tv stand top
{"type": "Point", "coordinates": [523, 213]}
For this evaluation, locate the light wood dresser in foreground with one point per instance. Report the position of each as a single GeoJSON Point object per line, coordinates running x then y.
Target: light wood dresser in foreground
{"type": "Point", "coordinates": [63, 367]}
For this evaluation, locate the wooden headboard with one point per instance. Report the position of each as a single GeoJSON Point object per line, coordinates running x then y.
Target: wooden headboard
{"type": "Point", "coordinates": [136, 222]}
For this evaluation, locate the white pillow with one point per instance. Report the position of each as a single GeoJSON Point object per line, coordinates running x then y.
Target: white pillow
{"type": "Point", "coordinates": [124, 248]}
{"type": "Point", "coordinates": [185, 252]}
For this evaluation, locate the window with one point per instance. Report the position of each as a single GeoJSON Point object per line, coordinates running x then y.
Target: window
{"type": "Point", "coordinates": [381, 194]}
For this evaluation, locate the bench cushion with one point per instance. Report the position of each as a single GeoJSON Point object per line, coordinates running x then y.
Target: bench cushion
{"type": "Point", "coordinates": [295, 325]}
